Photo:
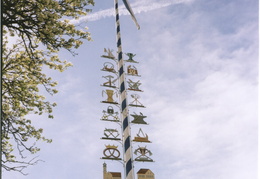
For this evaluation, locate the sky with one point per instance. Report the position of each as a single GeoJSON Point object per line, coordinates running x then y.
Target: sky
{"type": "Point", "coordinates": [199, 73]}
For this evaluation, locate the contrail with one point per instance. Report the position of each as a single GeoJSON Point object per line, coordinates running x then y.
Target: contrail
{"type": "Point", "coordinates": [138, 7]}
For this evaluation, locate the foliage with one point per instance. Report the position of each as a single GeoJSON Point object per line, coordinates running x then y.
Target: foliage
{"type": "Point", "coordinates": [41, 29]}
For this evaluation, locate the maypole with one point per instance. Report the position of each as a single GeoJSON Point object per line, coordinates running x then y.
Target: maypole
{"type": "Point", "coordinates": [127, 148]}
{"type": "Point", "coordinates": [111, 152]}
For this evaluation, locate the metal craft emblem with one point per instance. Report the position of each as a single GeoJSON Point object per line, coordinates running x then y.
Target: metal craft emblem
{"type": "Point", "coordinates": [143, 153]}
{"type": "Point", "coordinates": [141, 137]}
{"type": "Point", "coordinates": [108, 54]}
{"type": "Point", "coordinates": [136, 102]}
{"type": "Point", "coordinates": [111, 134]}
{"type": "Point", "coordinates": [110, 115]}
{"type": "Point", "coordinates": [134, 85]}
{"type": "Point", "coordinates": [130, 58]}
{"type": "Point", "coordinates": [138, 119]}
{"type": "Point", "coordinates": [109, 82]}
{"type": "Point", "coordinates": [109, 67]}
{"type": "Point", "coordinates": [109, 94]}
{"type": "Point", "coordinates": [132, 70]}
{"type": "Point", "coordinates": [111, 152]}
{"type": "Point", "coordinates": [110, 110]}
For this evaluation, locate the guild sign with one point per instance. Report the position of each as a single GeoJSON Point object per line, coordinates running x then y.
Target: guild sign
{"type": "Point", "coordinates": [109, 94]}
{"type": "Point", "coordinates": [136, 102]}
{"type": "Point", "coordinates": [143, 152]}
{"type": "Point", "coordinates": [110, 115]}
{"type": "Point", "coordinates": [132, 70]}
{"type": "Point", "coordinates": [131, 55]}
{"type": "Point", "coordinates": [141, 137]}
{"type": "Point", "coordinates": [109, 54]}
{"type": "Point", "coordinates": [109, 67]}
{"type": "Point", "coordinates": [110, 110]}
{"type": "Point", "coordinates": [111, 152]}
{"type": "Point", "coordinates": [134, 85]}
{"type": "Point", "coordinates": [111, 134]}
{"type": "Point", "coordinates": [109, 82]}
{"type": "Point", "coordinates": [138, 119]}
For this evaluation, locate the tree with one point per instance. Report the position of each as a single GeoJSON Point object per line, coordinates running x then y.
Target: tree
{"type": "Point", "coordinates": [41, 29]}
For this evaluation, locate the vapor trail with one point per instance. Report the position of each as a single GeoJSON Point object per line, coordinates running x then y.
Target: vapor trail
{"type": "Point", "coordinates": [138, 7]}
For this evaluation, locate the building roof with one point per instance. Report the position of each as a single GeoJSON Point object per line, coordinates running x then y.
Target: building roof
{"type": "Point", "coordinates": [143, 171]}
{"type": "Point", "coordinates": [115, 174]}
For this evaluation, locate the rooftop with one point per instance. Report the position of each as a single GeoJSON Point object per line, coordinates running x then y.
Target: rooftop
{"type": "Point", "coordinates": [142, 171]}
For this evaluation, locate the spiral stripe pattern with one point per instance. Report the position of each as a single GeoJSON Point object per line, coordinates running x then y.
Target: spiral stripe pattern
{"type": "Point", "coordinates": [129, 172]}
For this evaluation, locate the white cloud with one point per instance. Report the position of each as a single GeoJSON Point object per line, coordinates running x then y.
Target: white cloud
{"type": "Point", "coordinates": [201, 88]}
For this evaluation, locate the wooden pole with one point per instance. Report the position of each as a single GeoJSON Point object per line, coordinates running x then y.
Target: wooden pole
{"type": "Point", "coordinates": [127, 148]}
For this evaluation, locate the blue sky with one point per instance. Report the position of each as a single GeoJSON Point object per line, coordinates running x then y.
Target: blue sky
{"type": "Point", "coordinates": [199, 66]}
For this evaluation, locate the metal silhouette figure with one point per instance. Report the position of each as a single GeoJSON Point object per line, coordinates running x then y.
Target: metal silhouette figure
{"type": "Point", "coordinates": [111, 152]}
{"type": "Point", "coordinates": [108, 54]}
{"type": "Point", "coordinates": [143, 153]}
{"type": "Point", "coordinates": [109, 94]}
{"type": "Point", "coordinates": [130, 58]}
{"type": "Point", "coordinates": [136, 102]}
{"type": "Point", "coordinates": [109, 82]}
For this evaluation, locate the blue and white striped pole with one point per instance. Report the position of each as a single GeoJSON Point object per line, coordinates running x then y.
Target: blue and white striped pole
{"type": "Point", "coordinates": [127, 149]}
